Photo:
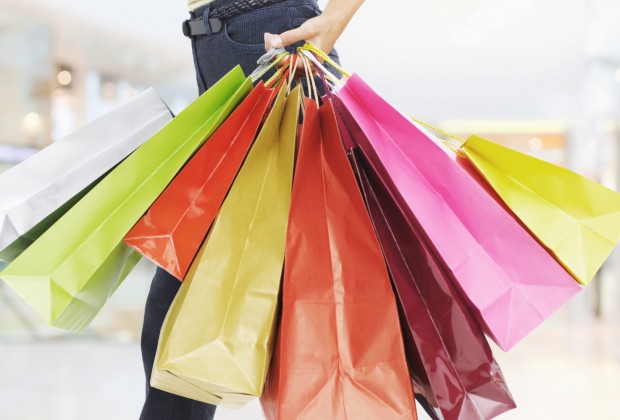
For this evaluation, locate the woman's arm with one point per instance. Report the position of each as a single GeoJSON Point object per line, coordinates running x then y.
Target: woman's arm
{"type": "Point", "coordinates": [321, 31]}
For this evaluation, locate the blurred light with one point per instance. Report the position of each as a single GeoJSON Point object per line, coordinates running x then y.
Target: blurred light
{"type": "Point", "coordinates": [64, 77]}
{"type": "Point", "coordinates": [32, 120]}
{"type": "Point", "coordinates": [618, 75]}
{"type": "Point", "coordinates": [131, 93]}
{"type": "Point", "coordinates": [31, 123]}
{"type": "Point", "coordinates": [535, 144]}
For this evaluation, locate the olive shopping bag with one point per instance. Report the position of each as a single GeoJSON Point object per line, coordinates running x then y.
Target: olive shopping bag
{"type": "Point", "coordinates": [216, 341]}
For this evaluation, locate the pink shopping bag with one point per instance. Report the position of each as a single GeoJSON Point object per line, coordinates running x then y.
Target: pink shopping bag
{"type": "Point", "coordinates": [511, 282]}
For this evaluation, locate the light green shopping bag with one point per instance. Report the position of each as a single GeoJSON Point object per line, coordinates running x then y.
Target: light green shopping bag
{"type": "Point", "coordinates": [71, 270]}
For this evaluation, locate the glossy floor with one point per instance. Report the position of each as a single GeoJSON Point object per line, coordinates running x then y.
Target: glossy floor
{"type": "Point", "coordinates": [559, 373]}
{"type": "Point", "coordinates": [568, 369]}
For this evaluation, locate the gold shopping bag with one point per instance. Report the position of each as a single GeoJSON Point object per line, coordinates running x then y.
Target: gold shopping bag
{"type": "Point", "coordinates": [216, 342]}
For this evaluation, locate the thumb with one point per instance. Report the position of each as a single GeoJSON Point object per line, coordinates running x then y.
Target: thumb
{"type": "Point", "coordinates": [289, 37]}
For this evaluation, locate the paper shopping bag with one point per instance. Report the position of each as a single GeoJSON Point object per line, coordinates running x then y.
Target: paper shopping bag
{"type": "Point", "coordinates": [339, 351]}
{"type": "Point", "coordinates": [577, 219]}
{"type": "Point", "coordinates": [70, 271]}
{"type": "Point", "coordinates": [449, 357]}
{"type": "Point", "coordinates": [37, 191]}
{"type": "Point", "coordinates": [171, 232]}
{"type": "Point", "coordinates": [510, 281]}
{"type": "Point", "coordinates": [216, 342]}
{"type": "Point", "coordinates": [18, 246]}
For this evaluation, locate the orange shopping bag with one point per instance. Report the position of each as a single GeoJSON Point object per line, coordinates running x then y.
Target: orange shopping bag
{"type": "Point", "coordinates": [339, 351]}
{"type": "Point", "coordinates": [173, 229]}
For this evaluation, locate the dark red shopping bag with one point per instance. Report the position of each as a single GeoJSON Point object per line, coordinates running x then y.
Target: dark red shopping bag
{"type": "Point", "coordinates": [449, 356]}
{"type": "Point", "coordinates": [339, 351]}
{"type": "Point", "coordinates": [173, 229]}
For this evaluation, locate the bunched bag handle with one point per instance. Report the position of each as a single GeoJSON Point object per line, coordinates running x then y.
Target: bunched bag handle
{"type": "Point", "coordinates": [312, 52]}
{"type": "Point", "coordinates": [267, 61]}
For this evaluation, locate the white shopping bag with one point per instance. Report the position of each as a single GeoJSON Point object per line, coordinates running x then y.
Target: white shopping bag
{"type": "Point", "coordinates": [37, 191]}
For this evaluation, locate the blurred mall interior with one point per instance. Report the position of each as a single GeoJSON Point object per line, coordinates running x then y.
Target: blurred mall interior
{"type": "Point", "coordinates": [542, 77]}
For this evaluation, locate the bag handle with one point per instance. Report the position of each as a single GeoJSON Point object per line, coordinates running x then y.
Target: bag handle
{"type": "Point", "coordinates": [323, 56]}
{"type": "Point", "coordinates": [336, 82]}
{"type": "Point", "coordinates": [290, 66]}
{"type": "Point", "coordinates": [312, 52]}
{"type": "Point", "coordinates": [450, 144]}
{"type": "Point", "coordinates": [291, 71]}
{"type": "Point", "coordinates": [313, 92]}
{"type": "Point", "coordinates": [277, 77]}
{"type": "Point", "coordinates": [267, 61]}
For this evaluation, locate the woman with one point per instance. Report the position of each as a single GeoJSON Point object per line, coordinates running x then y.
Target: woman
{"type": "Point", "coordinates": [224, 34]}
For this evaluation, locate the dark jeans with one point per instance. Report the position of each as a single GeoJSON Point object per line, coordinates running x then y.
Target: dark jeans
{"type": "Point", "coordinates": [240, 41]}
{"type": "Point", "coordinates": [161, 405]}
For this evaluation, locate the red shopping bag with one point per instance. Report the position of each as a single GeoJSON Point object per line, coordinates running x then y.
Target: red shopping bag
{"type": "Point", "coordinates": [339, 351]}
{"type": "Point", "coordinates": [449, 356]}
{"type": "Point", "coordinates": [171, 232]}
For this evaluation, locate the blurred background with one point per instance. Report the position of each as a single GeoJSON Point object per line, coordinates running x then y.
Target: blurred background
{"type": "Point", "coordinates": [542, 77]}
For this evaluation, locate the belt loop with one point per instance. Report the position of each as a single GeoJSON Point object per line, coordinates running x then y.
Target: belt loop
{"type": "Point", "coordinates": [205, 20]}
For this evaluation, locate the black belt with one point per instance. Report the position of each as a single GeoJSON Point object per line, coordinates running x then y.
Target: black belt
{"type": "Point", "coordinates": [193, 27]}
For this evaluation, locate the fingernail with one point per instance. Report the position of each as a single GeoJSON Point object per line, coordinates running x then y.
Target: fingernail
{"type": "Point", "coordinates": [276, 41]}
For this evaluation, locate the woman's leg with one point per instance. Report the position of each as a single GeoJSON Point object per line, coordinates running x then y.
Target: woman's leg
{"type": "Point", "coordinates": [161, 405]}
{"type": "Point", "coordinates": [239, 41]}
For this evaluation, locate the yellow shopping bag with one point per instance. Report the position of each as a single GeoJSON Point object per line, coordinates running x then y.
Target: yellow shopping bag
{"type": "Point", "coordinates": [577, 219]}
{"type": "Point", "coordinates": [216, 342]}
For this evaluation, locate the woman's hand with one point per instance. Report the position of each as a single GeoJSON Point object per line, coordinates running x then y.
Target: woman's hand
{"type": "Point", "coordinates": [321, 31]}
{"type": "Point", "coordinates": [318, 31]}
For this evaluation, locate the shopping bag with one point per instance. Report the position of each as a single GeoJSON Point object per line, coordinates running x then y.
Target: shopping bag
{"type": "Point", "coordinates": [171, 232]}
{"type": "Point", "coordinates": [577, 219]}
{"type": "Point", "coordinates": [18, 246]}
{"type": "Point", "coordinates": [216, 342]}
{"type": "Point", "coordinates": [70, 271]}
{"type": "Point", "coordinates": [339, 351]}
{"type": "Point", "coordinates": [511, 282]}
{"type": "Point", "coordinates": [37, 191]}
{"type": "Point", "coordinates": [450, 358]}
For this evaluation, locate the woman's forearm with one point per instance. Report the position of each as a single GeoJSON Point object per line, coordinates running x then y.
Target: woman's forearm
{"type": "Point", "coordinates": [339, 14]}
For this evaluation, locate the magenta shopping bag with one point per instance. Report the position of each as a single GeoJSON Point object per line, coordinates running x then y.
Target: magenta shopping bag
{"type": "Point", "coordinates": [511, 282]}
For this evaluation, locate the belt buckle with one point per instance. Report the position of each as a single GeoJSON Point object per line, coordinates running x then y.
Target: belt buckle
{"type": "Point", "coordinates": [194, 27]}
{"type": "Point", "coordinates": [185, 28]}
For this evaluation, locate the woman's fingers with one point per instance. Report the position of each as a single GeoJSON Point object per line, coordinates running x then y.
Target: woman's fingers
{"type": "Point", "coordinates": [306, 32]}
{"type": "Point", "coordinates": [268, 41]}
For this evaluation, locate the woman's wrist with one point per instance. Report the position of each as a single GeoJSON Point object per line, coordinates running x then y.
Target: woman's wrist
{"type": "Point", "coordinates": [329, 29]}
{"type": "Point", "coordinates": [322, 31]}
